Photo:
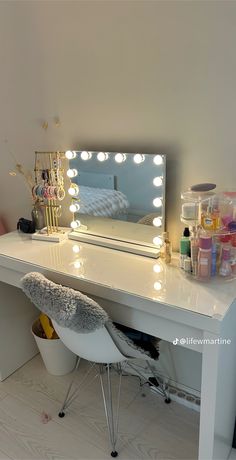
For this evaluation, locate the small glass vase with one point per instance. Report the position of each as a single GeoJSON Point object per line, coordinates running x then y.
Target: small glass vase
{"type": "Point", "coordinates": [38, 216]}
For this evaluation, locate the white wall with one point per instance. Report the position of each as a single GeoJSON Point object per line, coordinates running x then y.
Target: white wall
{"type": "Point", "coordinates": [120, 75]}
{"type": "Point", "coordinates": [132, 75]}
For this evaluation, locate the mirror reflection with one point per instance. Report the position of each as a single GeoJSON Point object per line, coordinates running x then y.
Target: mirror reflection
{"type": "Point", "coordinates": [117, 187]}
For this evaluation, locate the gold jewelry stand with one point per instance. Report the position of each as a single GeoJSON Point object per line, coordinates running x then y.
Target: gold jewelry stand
{"type": "Point", "coordinates": [49, 191]}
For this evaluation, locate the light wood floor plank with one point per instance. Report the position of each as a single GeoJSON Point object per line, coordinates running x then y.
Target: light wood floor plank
{"type": "Point", "coordinates": [149, 429]}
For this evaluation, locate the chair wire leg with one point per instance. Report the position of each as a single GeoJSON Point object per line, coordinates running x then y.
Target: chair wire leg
{"type": "Point", "coordinates": [70, 397]}
{"type": "Point", "coordinates": [69, 387]}
{"type": "Point", "coordinates": [161, 391]}
{"type": "Point", "coordinates": [161, 388]}
{"type": "Point", "coordinates": [108, 407]}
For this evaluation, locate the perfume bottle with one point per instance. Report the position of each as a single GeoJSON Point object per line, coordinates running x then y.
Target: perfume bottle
{"type": "Point", "coordinates": [165, 251]}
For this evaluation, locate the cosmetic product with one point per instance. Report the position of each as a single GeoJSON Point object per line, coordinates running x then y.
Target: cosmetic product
{"type": "Point", "coordinates": [233, 257]}
{"type": "Point", "coordinates": [165, 251]}
{"type": "Point", "coordinates": [187, 265]}
{"type": "Point", "coordinates": [190, 211]}
{"type": "Point", "coordinates": [213, 259]}
{"type": "Point", "coordinates": [184, 246]}
{"type": "Point", "coordinates": [194, 245]}
{"type": "Point", "coordinates": [225, 267]}
{"type": "Point", "coordinates": [207, 219]}
{"type": "Point", "coordinates": [204, 257]}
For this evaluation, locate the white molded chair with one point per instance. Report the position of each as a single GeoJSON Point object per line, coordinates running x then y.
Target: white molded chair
{"type": "Point", "coordinates": [103, 346]}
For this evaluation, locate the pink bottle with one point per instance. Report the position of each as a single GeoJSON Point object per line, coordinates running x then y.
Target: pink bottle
{"type": "Point", "coordinates": [204, 257]}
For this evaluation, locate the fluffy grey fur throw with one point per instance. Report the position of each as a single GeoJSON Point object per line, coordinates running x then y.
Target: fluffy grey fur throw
{"type": "Point", "coordinates": [69, 308]}
{"type": "Point", "coordinates": [72, 309]}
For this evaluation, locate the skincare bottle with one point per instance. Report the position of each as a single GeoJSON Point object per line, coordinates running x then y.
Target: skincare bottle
{"type": "Point", "coordinates": [184, 246]}
{"type": "Point", "coordinates": [165, 251]}
{"type": "Point", "coordinates": [204, 257]}
{"type": "Point", "coordinates": [214, 259]}
{"type": "Point", "coordinates": [194, 246]}
{"type": "Point", "coordinates": [225, 267]}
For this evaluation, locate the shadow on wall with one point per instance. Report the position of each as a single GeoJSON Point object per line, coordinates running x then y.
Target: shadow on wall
{"type": "Point", "coordinates": [3, 226]}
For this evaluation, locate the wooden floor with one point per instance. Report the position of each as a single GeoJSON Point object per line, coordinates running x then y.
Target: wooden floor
{"type": "Point", "coordinates": [149, 429]}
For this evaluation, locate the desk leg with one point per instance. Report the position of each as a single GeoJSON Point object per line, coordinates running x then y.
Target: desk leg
{"type": "Point", "coordinates": [218, 394]}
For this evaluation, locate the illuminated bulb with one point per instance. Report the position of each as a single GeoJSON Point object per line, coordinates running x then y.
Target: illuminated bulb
{"type": "Point", "coordinates": [157, 181]}
{"type": "Point", "coordinates": [72, 172]}
{"type": "Point", "coordinates": [73, 190]}
{"type": "Point", "coordinates": [157, 202]}
{"type": "Point", "coordinates": [85, 155]}
{"type": "Point", "coordinates": [76, 249]}
{"type": "Point", "coordinates": [75, 224]}
{"type": "Point", "coordinates": [157, 222]}
{"type": "Point", "coordinates": [139, 158]}
{"type": "Point", "coordinates": [157, 268]}
{"type": "Point", "coordinates": [102, 156]}
{"type": "Point", "coordinates": [158, 160]}
{"type": "Point", "coordinates": [75, 207]}
{"type": "Point", "coordinates": [157, 240]}
{"type": "Point", "coordinates": [120, 157]}
{"type": "Point", "coordinates": [157, 286]}
{"type": "Point", "coordinates": [70, 154]}
{"type": "Point", "coordinates": [77, 264]}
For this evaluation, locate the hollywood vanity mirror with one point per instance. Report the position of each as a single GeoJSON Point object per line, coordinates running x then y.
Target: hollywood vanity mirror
{"type": "Point", "coordinates": [118, 199]}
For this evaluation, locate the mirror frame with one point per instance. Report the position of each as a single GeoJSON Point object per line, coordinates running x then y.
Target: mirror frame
{"type": "Point", "coordinates": [80, 232]}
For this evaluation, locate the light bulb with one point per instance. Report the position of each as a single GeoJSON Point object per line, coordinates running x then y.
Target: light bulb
{"type": "Point", "coordinates": [120, 157]}
{"type": "Point", "coordinates": [74, 207]}
{"type": "Point", "coordinates": [139, 158]}
{"type": "Point", "coordinates": [102, 156]}
{"type": "Point", "coordinates": [76, 248]}
{"type": "Point", "coordinates": [73, 190]}
{"type": "Point", "coordinates": [158, 181]}
{"type": "Point", "coordinates": [77, 264]}
{"type": "Point", "coordinates": [157, 222]}
{"type": "Point", "coordinates": [70, 154]}
{"type": "Point", "coordinates": [157, 268]}
{"type": "Point", "coordinates": [158, 160]}
{"type": "Point", "coordinates": [75, 224]}
{"type": "Point", "coordinates": [157, 240]}
{"type": "Point", "coordinates": [72, 172]}
{"type": "Point", "coordinates": [85, 155]}
{"type": "Point", "coordinates": [157, 202]}
{"type": "Point", "coordinates": [157, 285]}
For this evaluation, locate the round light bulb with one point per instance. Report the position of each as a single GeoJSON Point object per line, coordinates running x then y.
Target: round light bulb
{"type": "Point", "coordinates": [77, 264]}
{"type": "Point", "coordinates": [72, 172]}
{"type": "Point", "coordinates": [157, 268]}
{"type": "Point", "coordinates": [158, 160]}
{"type": "Point", "coordinates": [157, 240]}
{"type": "Point", "coordinates": [120, 157]}
{"type": "Point", "coordinates": [75, 224]}
{"type": "Point", "coordinates": [157, 202]}
{"type": "Point", "coordinates": [70, 154]}
{"type": "Point", "coordinates": [85, 155]}
{"type": "Point", "coordinates": [157, 285]}
{"type": "Point", "coordinates": [157, 222]}
{"type": "Point", "coordinates": [73, 190]}
{"type": "Point", "coordinates": [139, 158]}
{"type": "Point", "coordinates": [74, 207]}
{"type": "Point", "coordinates": [76, 248]}
{"type": "Point", "coordinates": [158, 181]}
{"type": "Point", "coordinates": [102, 156]}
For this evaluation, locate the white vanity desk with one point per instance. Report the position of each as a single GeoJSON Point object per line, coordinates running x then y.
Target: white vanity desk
{"type": "Point", "coordinates": [124, 284]}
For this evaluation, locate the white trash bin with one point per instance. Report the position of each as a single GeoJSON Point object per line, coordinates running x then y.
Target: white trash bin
{"type": "Point", "coordinates": [57, 358]}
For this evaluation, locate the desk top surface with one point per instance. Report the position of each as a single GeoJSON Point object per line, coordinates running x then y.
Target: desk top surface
{"type": "Point", "coordinates": [121, 272]}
